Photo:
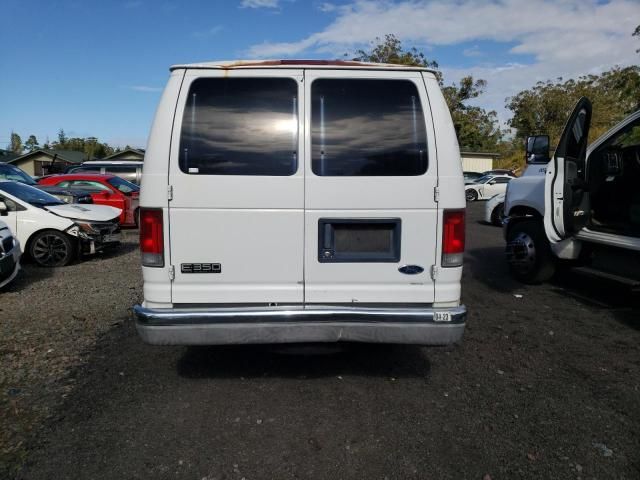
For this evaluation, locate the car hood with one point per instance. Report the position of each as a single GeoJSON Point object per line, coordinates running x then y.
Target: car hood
{"type": "Point", "coordinates": [96, 213]}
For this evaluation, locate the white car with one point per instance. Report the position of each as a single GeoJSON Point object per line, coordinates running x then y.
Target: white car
{"type": "Point", "coordinates": [53, 232]}
{"type": "Point", "coordinates": [494, 210]}
{"type": "Point", "coordinates": [9, 255]}
{"type": "Point", "coordinates": [486, 187]}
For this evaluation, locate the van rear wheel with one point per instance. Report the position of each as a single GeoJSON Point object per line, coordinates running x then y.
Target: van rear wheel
{"type": "Point", "coordinates": [529, 252]}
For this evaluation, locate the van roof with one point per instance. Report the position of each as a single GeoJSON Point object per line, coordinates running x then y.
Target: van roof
{"type": "Point", "coordinates": [319, 64]}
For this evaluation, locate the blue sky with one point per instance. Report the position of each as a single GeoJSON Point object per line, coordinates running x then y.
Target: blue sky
{"type": "Point", "coordinates": [96, 68]}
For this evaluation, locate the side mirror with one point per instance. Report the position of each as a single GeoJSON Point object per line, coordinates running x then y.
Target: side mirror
{"type": "Point", "coordinates": [492, 182]}
{"type": "Point", "coordinates": [4, 210]}
{"type": "Point", "coordinates": [538, 149]}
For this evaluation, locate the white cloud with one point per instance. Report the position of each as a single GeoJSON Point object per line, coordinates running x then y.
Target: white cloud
{"type": "Point", "coordinates": [566, 38]}
{"type": "Point", "coordinates": [144, 88]}
{"type": "Point", "coordinates": [327, 7]}
{"type": "Point", "coordinates": [259, 4]}
{"type": "Point", "coordinates": [472, 52]}
{"type": "Point", "coordinates": [209, 32]}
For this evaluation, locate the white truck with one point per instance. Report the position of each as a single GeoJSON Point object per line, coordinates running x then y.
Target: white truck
{"type": "Point", "coordinates": [582, 207]}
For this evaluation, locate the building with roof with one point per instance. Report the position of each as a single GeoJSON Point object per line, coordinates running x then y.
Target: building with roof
{"type": "Point", "coordinates": [477, 161]}
{"type": "Point", "coordinates": [127, 154]}
{"type": "Point", "coordinates": [40, 162]}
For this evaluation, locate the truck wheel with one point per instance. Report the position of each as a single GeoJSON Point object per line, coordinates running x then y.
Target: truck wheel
{"type": "Point", "coordinates": [529, 253]}
{"type": "Point", "coordinates": [497, 215]}
{"type": "Point", "coordinates": [471, 195]}
{"type": "Point", "coordinates": [51, 248]}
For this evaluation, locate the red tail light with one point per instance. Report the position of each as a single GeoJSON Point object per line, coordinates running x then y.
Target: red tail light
{"type": "Point", "coordinates": [151, 237]}
{"type": "Point", "coordinates": [453, 238]}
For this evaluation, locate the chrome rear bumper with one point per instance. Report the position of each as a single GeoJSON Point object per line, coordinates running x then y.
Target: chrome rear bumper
{"type": "Point", "coordinates": [297, 324]}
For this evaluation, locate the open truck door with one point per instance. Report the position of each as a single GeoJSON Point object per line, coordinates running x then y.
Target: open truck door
{"type": "Point", "coordinates": [566, 203]}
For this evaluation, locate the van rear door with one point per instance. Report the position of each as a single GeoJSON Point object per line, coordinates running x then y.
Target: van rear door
{"type": "Point", "coordinates": [370, 213]}
{"type": "Point", "coordinates": [236, 216]}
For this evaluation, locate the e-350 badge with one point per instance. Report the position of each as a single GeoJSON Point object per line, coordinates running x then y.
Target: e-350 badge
{"type": "Point", "coordinates": [200, 268]}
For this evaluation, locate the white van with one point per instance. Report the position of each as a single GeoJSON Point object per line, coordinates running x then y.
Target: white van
{"type": "Point", "coordinates": [301, 201]}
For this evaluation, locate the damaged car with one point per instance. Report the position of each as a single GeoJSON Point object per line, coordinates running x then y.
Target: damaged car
{"type": "Point", "coordinates": [54, 233]}
{"type": "Point", "coordinates": [9, 254]}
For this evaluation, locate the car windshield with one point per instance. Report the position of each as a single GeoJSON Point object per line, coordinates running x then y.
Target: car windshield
{"type": "Point", "coordinates": [10, 172]}
{"type": "Point", "coordinates": [124, 186]}
{"type": "Point", "coordinates": [483, 179]}
{"type": "Point", "coordinates": [29, 194]}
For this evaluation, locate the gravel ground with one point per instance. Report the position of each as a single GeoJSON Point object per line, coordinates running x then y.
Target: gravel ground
{"type": "Point", "coordinates": [50, 319]}
{"type": "Point", "coordinates": [546, 384]}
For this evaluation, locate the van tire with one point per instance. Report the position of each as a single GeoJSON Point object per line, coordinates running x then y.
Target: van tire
{"type": "Point", "coordinates": [529, 252]}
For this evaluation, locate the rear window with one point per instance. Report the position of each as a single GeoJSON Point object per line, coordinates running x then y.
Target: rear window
{"type": "Point", "coordinates": [240, 126]}
{"type": "Point", "coordinates": [128, 173]}
{"type": "Point", "coordinates": [122, 185]}
{"type": "Point", "coordinates": [92, 169]}
{"type": "Point", "coordinates": [364, 127]}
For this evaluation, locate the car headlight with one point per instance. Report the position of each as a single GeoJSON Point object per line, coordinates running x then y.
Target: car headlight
{"type": "Point", "coordinates": [87, 228]}
{"type": "Point", "coordinates": [65, 198]}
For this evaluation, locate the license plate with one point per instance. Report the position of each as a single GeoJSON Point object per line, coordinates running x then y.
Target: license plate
{"type": "Point", "coordinates": [112, 237]}
{"type": "Point", "coordinates": [442, 316]}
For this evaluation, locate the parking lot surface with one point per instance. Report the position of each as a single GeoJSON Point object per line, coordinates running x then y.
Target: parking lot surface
{"type": "Point", "coordinates": [546, 384]}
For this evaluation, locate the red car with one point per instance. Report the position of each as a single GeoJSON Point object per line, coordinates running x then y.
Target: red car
{"type": "Point", "coordinates": [105, 190]}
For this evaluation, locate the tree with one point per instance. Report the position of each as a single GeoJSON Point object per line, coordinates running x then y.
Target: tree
{"type": "Point", "coordinates": [62, 139]}
{"type": "Point", "coordinates": [477, 129]}
{"type": "Point", "coordinates": [32, 143]}
{"type": "Point", "coordinates": [90, 146]}
{"type": "Point", "coordinates": [636, 33]}
{"type": "Point", "coordinates": [16, 143]}
{"type": "Point", "coordinates": [390, 50]}
{"type": "Point", "coordinates": [544, 108]}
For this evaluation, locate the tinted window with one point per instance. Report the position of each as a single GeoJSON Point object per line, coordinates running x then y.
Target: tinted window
{"type": "Point", "coordinates": [502, 180]}
{"type": "Point", "coordinates": [10, 172]}
{"type": "Point", "coordinates": [29, 194]}
{"type": "Point", "coordinates": [89, 186]}
{"type": "Point", "coordinates": [122, 185]}
{"type": "Point", "coordinates": [483, 179]}
{"type": "Point", "coordinates": [122, 171]}
{"type": "Point", "coordinates": [240, 126]}
{"type": "Point", "coordinates": [367, 127]}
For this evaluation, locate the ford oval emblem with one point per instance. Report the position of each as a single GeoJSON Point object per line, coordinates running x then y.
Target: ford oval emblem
{"type": "Point", "coordinates": [411, 269]}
